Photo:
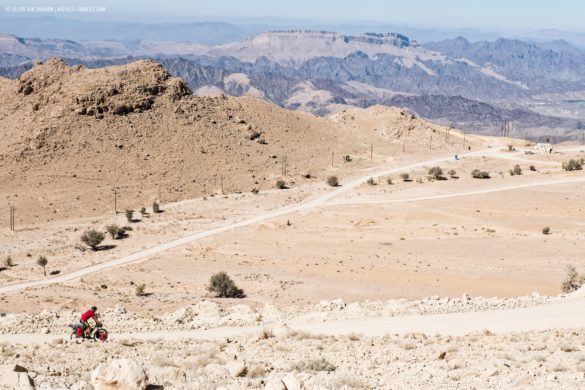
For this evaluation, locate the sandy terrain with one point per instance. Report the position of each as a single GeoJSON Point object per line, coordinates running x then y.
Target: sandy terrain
{"type": "Point", "coordinates": [450, 256]}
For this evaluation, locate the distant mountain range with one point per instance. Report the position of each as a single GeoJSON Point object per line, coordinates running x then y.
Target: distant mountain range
{"type": "Point", "coordinates": [472, 85]}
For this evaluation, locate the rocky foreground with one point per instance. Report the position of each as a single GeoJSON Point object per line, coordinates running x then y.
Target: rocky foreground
{"type": "Point", "coordinates": [293, 360]}
{"type": "Point", "coordinates": [276, 357]}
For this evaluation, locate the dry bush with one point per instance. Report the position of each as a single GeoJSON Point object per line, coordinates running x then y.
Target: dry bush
{"type": "Point", "coordinates": [546, 230]}
{"type": "Point", "coordinates": [224, 287]}
{"type": "Point", "coordinates": [256, 371]}
{"type": "Point", "coordinates": [436, 172]}
{"type": "Point", "coordinates": [155, 207]}
{"type": "Point", "coordinates": [313, 365]}
{"type": "Point", "coordinates": [405, 176]}
{"type": "Point", "coordinates": [140, 290]}
{"type": "Point", "coordinates": [532, 168]}
{"type": "Point", "coordinates": [477, 174]}
{"type": "Point", "coordinates": [162, 361]}
{"type": "Point", "coordinates": [280, 184]}
{"type": "Point", "coordinates": [333, 181]}
{"type": "Point", "coordinates": [452, 173]}
{"type": "Point", "coordinates": [371, 181]}
{"type": "Point", "coordinates": [573, 165]}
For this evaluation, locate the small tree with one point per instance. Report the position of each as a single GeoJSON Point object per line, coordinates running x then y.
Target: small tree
{"type": "Point", "coordinates": [155, 207]}
{"type": "Point", "coordinates": [405, 176]}
{"type": "Point", "coordinates": [93, 238]}
{"type": "Point", "coordinates": [452, 173]}
{"type": "Point", "coordinates": [8, 261]}
{"type": "Point", "coordinates": [371, 181]}
{"type": "Point", "coordinates": [113, 230]}
{"type": "Point", "coordinates": [511, 148]}
{"type": "Point", "coordinates": [143, 211]}
{"type": "Point", "coordinates": [42, 262]}
{"type": "Point", "coordinates": [280, 184]}
{"type": "Point", "coordinates": [130, 215]}
{"type": "Point", "coordinates": [389, 181]}
{"type": "Point", "coordinates": [333, 181]}
{"type": "Point", "coordinates": [436, 172]}
{"type": "Point", "coordinates": [517, 170]}
{"type": "Point", "coordinates": [546, 231]}
{"type": "Point", "coordinates": [573, 280]}
{"type": "Point", "coordinates": [224, 287]}
{"type": "Point", "coordinates": [533, 168]}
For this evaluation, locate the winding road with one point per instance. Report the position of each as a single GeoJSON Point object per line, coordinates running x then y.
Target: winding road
{"type": "Point", "coordinates": [566, 313]}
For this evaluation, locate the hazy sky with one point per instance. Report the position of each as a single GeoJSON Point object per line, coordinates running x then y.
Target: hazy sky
{"type": "Point", "coordinates": [503, 15]}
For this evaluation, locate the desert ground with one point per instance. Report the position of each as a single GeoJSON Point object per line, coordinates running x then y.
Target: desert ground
{"type": "Point", "coordinates": [380, 282]}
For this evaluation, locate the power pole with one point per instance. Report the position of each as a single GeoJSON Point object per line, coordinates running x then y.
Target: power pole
{"type": "Point", "coordinates": [115, 200]}
{"type": "Point", "coordinates": [332, 156]}
{"type": "Point", "coordinates": [463, 140]}
{"type": "Point", "coordinates": [12, 222]}
{"type": "Point", "coordinates": [221, 183]}
{"type": "Point", "coordinates": [371, 151]}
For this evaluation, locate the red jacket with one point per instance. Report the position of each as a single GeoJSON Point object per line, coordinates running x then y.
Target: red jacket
{"type": "Point", "coordinates": [87, 315]}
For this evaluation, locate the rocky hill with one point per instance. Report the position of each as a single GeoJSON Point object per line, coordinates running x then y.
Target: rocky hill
{"type": "Point", "coordinates": [76, 133]}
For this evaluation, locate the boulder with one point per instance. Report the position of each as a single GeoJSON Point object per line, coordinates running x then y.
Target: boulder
{"type": "Point", "coordinates": [121, 374]}
{"type": "Point", "coordinates": [237, 369]}
{"type": "Point", "coordinates": [13, 376]}
{"type": "Point", "coordinates": [283, 381]}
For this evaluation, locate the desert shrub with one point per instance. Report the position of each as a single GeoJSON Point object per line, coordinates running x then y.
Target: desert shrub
{"type": "Point", "coordinates": [452, 173]}
{"type": "Point", "coordinates": [333, 181]}
{"type": "Point", "coordinates": [510, 148]}
{"type": "Point", "coordinates": [139, 290]}
{"type": "Point", "coordinates": [389, 181]}
{"type": "Point", "coordinates": [42, 262]}
{"type": "Point", "coordinates": [477, 174]}
{"type": "Point", "coordinates": [546, 230]}
{"type": "Point", "coordinates": [155, 207]}
{"type": "Point", "coordinates": [347, 158]}
{"type": "Point", "coordinates": [517, 170]}
{"type": "Point", "coordinates": [532, 168]}
{"type": "Point", "coordinates": [113, 230]}
{"type": "Point", "coordinates": [253, 135]}
{"type": "Point", "coordinates": [436, 172]}
{"type": "Point", "coordinates": [223, 286]}
{"type": "Point", "coordinates": [371, 181]}
{"type": "Point", "coordinates": [405, 176]}
{"type": "Point", "coordinates": [573, 165]}
{"type": "Point", "coordinates": [8, 262]}
{"type": "Point", "coordinates": [313, 365]}
{"type": "Point", "coordinates": [573, 281]}
{"type": "Point", "coordinates": [130, 215]}
{"type": "Point", "coordinates": [280, 184]}
{"type": "Point", "coordinates": [92, 238]}
{"type": "Point", "coordinates": [143, 211]}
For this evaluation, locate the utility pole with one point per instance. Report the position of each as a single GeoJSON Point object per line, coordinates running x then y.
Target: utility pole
{"type": "Point", "coordinates": [115, 200]}
{"type": "Point", "coordinates": [371, 151]}
{"type": "Point", "coordinates": [463, 140]}
{"type": "Point", "coordinates": [431, 142]}
{"type": "Point", "coordinates": [403, 147]}
{"type": "Point", "coordinates": [332, 156]}
{"type": "Point", "coordinates": [221, 183]}
{"type": "Point", "coordinates": [12, 222]}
